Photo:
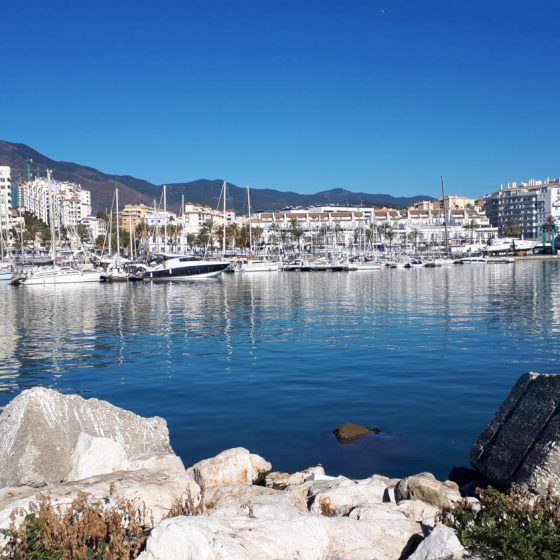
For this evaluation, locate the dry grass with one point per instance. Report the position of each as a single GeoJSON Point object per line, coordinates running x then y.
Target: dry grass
{"type": "Point", "coordinates": [189, 505]}
{"type": "Point", "coordinates": [86, 530]}
{"type": "Point", "coordinates": [327, 509]}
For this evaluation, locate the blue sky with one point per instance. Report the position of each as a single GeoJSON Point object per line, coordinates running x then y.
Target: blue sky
{"type": "Point", "coordinates": [373, 96]}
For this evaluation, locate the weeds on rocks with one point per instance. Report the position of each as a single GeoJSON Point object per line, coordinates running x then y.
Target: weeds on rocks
{"type": "Point", "coordinates": [86, 530]}
{"type": "Point", "coordinates": [513, 526]}
{"type": "Point", "coordinates": [327, 509]}
{"type": "Point", "coordinates": [188, 505]}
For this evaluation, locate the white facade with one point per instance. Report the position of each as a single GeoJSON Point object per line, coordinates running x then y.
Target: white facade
{"type": "Point", "coordinates": [5, 199]}
{"type": "Point", "coordinates": [96, 226]}
{"type": "Point", "coordinates": [350, 224]}
{"type": "Point", "coordinates": [161, 219]}
{"type": "Point", "coordinates": [196, 215]}
{"type": "Point", "coordinates": [526, 206]}
{"type": "Point", "coordinates": [70, 202]}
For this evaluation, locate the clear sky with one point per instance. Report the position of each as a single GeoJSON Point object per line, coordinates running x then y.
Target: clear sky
{"type": "Point", "coordinates": [306, 95]}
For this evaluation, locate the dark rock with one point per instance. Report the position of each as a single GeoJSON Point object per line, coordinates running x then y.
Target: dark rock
{"type": "Point", "coordinates": [468, 480]}
{"type": "Point", "coordinates": [521, 443]}
{"type": "Point", "coordinates": [349, 432]}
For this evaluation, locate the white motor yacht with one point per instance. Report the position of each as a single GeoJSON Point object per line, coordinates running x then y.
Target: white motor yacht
{"type": "Point", "coordinates": [56, 275]}
{"type": "Point", "coordinates": [255, 265]}
{"type": "Point", "coordinates": [185, 268]}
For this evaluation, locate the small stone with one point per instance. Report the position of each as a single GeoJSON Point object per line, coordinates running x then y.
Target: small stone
{"type": "Point", "coordinates": [441, 544]}
{"type": "Point", "coordinates": [425, 487]}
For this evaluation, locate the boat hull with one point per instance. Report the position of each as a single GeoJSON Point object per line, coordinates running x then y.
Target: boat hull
{"type": "Point", "coordinates": [55, 279]}
{"type": "Point", "coordinates": [191, 272]}
{"type": "Point", "coordinates": [260, 267]}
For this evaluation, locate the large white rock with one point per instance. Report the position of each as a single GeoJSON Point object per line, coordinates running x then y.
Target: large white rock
{"type": "Point", "coordinates": [346, 495]}
{"type": "Point", "coordinates": [307, 537]}
{"type": "Point", "coordinates": [247, 501]}
{"type": "Point", "coordinates": [93, 456]}
{"type": "Point", "coordinates": [441, 544]}
{"type": "Point", "coordinates": [230, 467]}
{"type": "Point", "coordinates": [40, 428]}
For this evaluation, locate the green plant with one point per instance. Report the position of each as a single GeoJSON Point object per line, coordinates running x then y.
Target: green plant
{"type": "Point", "coordinates": [513, 526]}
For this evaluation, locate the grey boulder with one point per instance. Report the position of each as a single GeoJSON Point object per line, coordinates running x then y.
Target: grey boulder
{"type": "Point", "coordinates": [521, 443]}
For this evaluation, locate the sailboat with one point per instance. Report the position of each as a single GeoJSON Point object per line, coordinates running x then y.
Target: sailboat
{"type": "Point", "coordinates": [115, 272]}
{"type": "Point", "coordinates": [6, 263]}
{"type": "Point", "coordinates": [255, 265]}
{"type": "Point", "coordinates": [55, 274]}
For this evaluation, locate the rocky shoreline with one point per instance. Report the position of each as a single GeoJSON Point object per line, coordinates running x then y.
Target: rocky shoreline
{"type": "Point", "coordinates": [235, 506]}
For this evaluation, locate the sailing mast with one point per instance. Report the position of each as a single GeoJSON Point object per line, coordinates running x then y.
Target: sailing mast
{"type": "Point", "coordinates": [225, 220]}
{"type": "Point", "coordinates": [444, 218]}
{"type": "Point", "coordinates": [130, 233]}
{"type": "Point", "coordinates": [118, 255]}
{"type": "Point", "coordinates": [51, 220]}
{"type": "Point", "coordinates": [156, 230]}
{"type": "Point", "coordinates": [250, 224]}
{"type": "Point", "coordinates": [164, 219]}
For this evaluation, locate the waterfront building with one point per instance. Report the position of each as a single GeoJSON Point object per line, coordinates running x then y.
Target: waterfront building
{"type": "Point", "coordinates": [70, 202]}
{"type": "Point", "coordinates": [160, 219]}
{"type": "Point", "coordinates": [525, 207]}
{"type": "Point", "coordinates": [348, 225]}
{"type": "Point", "coordinates": [451, 202]}
{"type": "Point", "coordinates": [96, 226]}
{"type": "Point", "coordinates": [5, 199]}
{"type": "Point", "coordinates": [133, 214]}
{"type": "Point", "coordinates": [196, 215]}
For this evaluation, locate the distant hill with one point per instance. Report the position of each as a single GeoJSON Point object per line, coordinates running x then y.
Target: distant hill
{"type": "Point", "coordinates": [203, 191]}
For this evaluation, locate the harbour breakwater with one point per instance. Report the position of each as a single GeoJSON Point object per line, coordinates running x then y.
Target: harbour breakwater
{"type": "Point", "coordinates": [235, 506]}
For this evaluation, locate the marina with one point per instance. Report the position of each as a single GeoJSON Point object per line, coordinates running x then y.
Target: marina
{"type": "Point", "coordinates": [282, 358]}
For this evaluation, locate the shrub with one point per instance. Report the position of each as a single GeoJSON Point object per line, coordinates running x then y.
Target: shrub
{"type": "Point", "coordinates": [513, 526]}
{"type": "Point", "coordinates": [86, 530]}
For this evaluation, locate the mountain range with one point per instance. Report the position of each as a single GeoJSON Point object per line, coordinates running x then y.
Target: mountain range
{"type": "Point", "coordinates": [204, 191]}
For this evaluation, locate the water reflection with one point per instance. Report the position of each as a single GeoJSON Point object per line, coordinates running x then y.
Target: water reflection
{"type": "Point", "coordinates": [263, 357]}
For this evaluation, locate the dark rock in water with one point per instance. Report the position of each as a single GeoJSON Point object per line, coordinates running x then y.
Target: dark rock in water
{"type": "Point", "coordinates": [522, 442]}
{"type": "Point", "coordinates": [349, 432]}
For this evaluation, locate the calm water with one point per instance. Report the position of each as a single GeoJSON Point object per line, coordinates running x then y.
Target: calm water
{"type": "Point", "coordinates": [273, 362]}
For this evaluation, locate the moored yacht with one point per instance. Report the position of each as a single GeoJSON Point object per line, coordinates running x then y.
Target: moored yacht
{"type": "Point", "coordinates": [257, 265]}
{"type": "Point", "coordinates": [56, 275]}
{"type": "Point", "coordinates": [185, 268]}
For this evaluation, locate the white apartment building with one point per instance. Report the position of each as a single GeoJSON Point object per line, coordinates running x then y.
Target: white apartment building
{"type": "Point", "coordinates": [196, 215]}
{"type": "Point", "coordinates": [5, 199]}
{"type": "Point", "coordinates": [70, 202]}
{"type": "Point", "coordinates": [96, 226]}
{"type": "Point", "coordinates": [463, 226]}
{"type": "Point", "coordinates": [526, 206]}
{"type": "Point", "coordinates": [159, 218]}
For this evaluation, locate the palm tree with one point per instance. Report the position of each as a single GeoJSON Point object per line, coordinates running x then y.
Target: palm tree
{"type": "Point", "coordinates": [511, 229]}
{"type": "Point", "coordinates": [414, 235]}
{"type": "Point", "coordinates": [274, 230]}
{"type": "Point", "coordinates": [337, 233]}
{"type": "Point", "coordinates": [296, 231]}
{"type": "Point", "coordinates": [232, 230]}
{"type": "Point", "coordinates": [471, 226]}
{"type": "Point", "coordinates": [242, 239]}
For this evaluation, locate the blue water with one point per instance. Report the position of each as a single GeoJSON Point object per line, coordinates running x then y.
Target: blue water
{"type": "Point", "coordinates": [274, 362]}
